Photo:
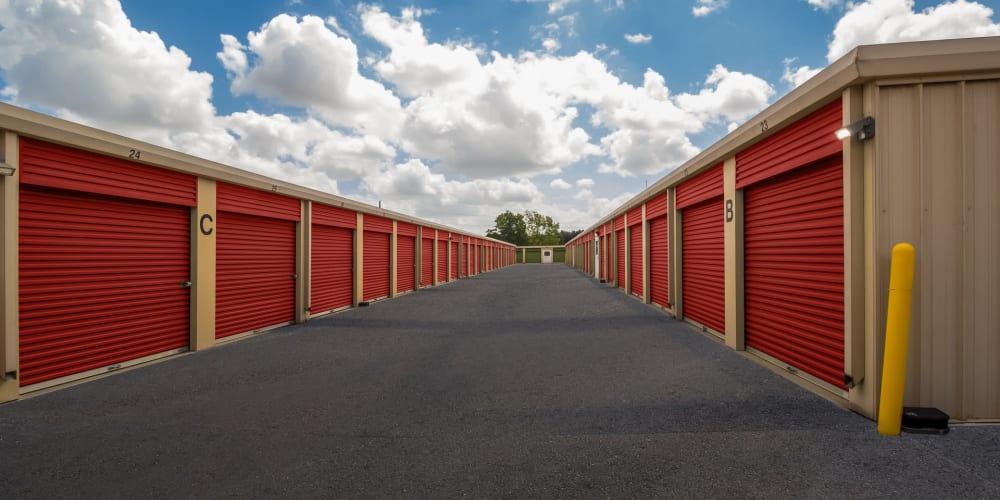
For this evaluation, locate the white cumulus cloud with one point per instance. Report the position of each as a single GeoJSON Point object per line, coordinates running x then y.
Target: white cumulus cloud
{"type": "Point", "coordinates": [729, 95]}
{"type": "Point", "coordinates": [638, 38]}
{"type": "Point", "coordinates": [123, 79]}
{"type": "Point", "coordinates": [884, 21]}
{"type": "Point", "coordinates": [797, 75]}
{"type": "Point", "coordinates": [705, 7]}
{"type": "Point", "coordinates": [304, 63]}
{"type": "Point", "coordinates": [554, 6]}
{"type": "Point", "coordinates": [560, 184]}
{"type": "Point", "coordinates": [412, 187]}
{"type": "Point", "coordinates": [824, 4]}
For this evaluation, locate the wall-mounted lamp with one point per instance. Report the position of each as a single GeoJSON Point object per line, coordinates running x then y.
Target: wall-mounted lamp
{"type": "Point", "coordinates": [6, 170]}
{"type": "Point", "coordinates": [863, 129]}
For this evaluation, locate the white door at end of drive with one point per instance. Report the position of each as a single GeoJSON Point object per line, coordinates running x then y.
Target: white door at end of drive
{"type": "Point", "coordinates": [597, 257]}
{"type": "Point", "coordinates": [546, 256]}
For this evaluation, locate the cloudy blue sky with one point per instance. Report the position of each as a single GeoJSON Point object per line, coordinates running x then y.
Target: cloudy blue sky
{"type": "Point", "coordinates": [451, 110]}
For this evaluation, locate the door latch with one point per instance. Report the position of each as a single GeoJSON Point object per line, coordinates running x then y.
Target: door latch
{"type": "Point", "coordinates": [185, 284]}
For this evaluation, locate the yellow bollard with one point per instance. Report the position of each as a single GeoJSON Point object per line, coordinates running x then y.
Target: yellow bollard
{"type": "Point", "coordinates": [897, 338]}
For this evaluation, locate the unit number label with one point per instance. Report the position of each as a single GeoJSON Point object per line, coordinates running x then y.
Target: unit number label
{"type": "Point", "coordinates": [729, 210]}
{"type": "Point", "coordinates": [205, 224]}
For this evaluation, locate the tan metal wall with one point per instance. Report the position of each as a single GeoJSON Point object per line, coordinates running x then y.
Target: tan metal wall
{"type": "Point", "coordinates": [937, 186]}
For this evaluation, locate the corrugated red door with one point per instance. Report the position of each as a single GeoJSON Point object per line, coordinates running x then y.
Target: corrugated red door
{"type": "Point", "coordinates": [427, 260]}
{"type": "Point", "coordinates": [656, 215]}
{"type": "Point", "coordinates": [331, 283]}
{"type": "Point", "coordinates": [255, 260]}
{"type": "Point", "coordinates": [659, 262]}
{"type": "Point", "coordinates": [454, 261]}
{"type": "Point", "coordinates": [104, 246]}
{"type": "Point", "coordinates": [406, 257]}
{"type": "Point", "coordinates": [703, 261]}
{"type": "Point", "coordinates": [332, 280]}
{"type": "Point", "coordinates": [463, 259]}
{"type": "Point", "coordinates": [620, 251]}
{"type": "Point", "coordinates": [375, 258]}
{"type": "Point", "coordinates": [794, 269]}
{"type": "Point", "coordinates": [406, 261]}
{"type": "Point", "coordinates": [255, 270]}
{"type": "Point", "coordinates": [703, 276]}
{"type": "Point", "coordinates": [99, 282]}
{"type": "Point", "coordinates": [375, 255]}
{"type": "Point", "coordinates": [635, 259]}
{"type": "Point", "coordinates": [442, 260]}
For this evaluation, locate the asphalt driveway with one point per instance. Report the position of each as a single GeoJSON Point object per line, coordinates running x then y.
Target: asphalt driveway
{"type": "Point", "coordinates": [529, 382]}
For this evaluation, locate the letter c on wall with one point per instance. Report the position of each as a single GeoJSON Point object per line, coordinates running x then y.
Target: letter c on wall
{"type": "Point", "coordinates": [206, 230]}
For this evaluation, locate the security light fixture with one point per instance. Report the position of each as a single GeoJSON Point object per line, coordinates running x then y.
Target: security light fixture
{"type": "Point", "coordinates": [6, 169]}
{"type": "Point", "coordinates": [863, 129]}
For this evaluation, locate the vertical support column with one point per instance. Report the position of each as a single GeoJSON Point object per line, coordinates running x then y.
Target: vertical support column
{"type": "Point", "coordinates": [303, 255]}
{"type": "Point", "coordinates": [860, 340]}
{"type": "Point", "coordinates": [203, 255]}
{"type": "Point", "coordinates": [735, 337]}
{"type": "Point", "coordinates": [674, 254]}
{"type": "Point", "coordinates": [359, 267]}
{"type": "Point", "coordinates": [393, 264]}
{"type": "Point", "coordinates": [9, 337]}
{"type": "Point", "coordinates": [645, 256]}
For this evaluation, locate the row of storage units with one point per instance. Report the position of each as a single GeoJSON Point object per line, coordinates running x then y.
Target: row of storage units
{"type": "Point", "coordinates": [776, 240]}
{"type": "Point", "coordinates": [116, 254]}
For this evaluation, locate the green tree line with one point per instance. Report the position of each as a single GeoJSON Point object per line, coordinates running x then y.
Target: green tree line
{"type": "Point", "coordinates": [529, 228]}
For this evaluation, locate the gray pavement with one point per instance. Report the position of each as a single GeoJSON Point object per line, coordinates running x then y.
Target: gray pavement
{"type": "Point", "coordinates": [528, 382]}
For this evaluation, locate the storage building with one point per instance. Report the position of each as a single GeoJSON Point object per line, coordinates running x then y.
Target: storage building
{"type": "Point", "coordinates": [776, 240]}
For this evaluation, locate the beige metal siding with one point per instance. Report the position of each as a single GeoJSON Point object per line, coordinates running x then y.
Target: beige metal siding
{"type": "Point", "coordinates": [936, 184]}
{"type": "Point", "coordinates": [982, 245]}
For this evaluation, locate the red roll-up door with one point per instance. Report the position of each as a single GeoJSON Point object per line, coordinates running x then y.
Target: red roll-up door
{"type": "Point", "coordinates": [332, 280]}
{"type": "Point", "coordinates": [442, 261]}
{"type": "Point", "coordinates": [375, 256]}
{"type": "Point", "coordinates": [104, 246]}
{"type": "Point", "coordinates": [794, 269]}
{"type": "Point", "coordinates": [454, 261]}
{"type": "Point", "coordinates": [427, 261]}
{"type": "Point", "coordinates": [703, 262]}
{"type": "Point", "coordinates": [331, 284]}
{"type": "Point", "coordinates": [255, 259]}
{"type": "Point", "coordinates": [659, 262]}
{"type": "Point", "coordinates": [635, 256]}
{"type": "Point", "coordinates": [99, 282]}
{"type": "Point", "coordinates": [620, 251]}
{"type": "Point", "coordinates": [406, 255]}
{"type": "Point", "coordinates": [255, 269]}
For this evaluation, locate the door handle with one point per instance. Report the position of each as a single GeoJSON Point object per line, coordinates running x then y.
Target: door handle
{"type": "Point", "coordinates": [294, 276]}
{"type": "Point", "coordinates": [185, 284]}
